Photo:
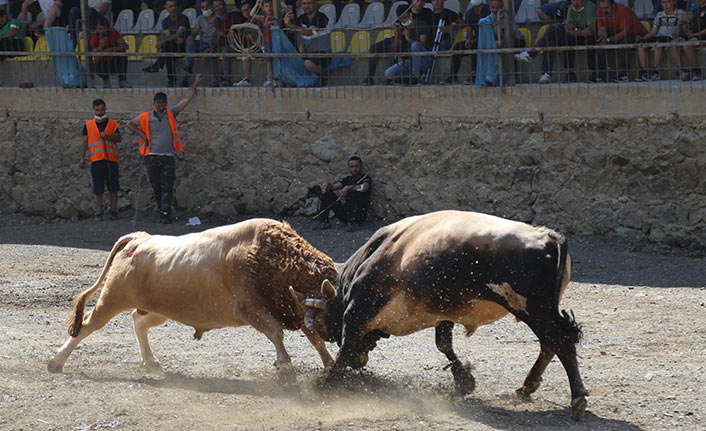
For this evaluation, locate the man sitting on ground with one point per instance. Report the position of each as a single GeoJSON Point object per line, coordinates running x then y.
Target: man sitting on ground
{"type": "Point", "coordinates": [353, 199]}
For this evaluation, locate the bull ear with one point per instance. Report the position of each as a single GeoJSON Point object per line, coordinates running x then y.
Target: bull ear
{"type": "Point", "coordinates": [328, 291]}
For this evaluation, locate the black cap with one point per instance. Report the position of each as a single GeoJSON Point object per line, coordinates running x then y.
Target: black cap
{"type": "Point", "coordinates": [160, 96]}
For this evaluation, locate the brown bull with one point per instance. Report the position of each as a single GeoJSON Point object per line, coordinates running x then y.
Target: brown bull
{"type": "Point", "coordinates": [450, 267]}
{"type": "Point", "coordinates": [227, 276]}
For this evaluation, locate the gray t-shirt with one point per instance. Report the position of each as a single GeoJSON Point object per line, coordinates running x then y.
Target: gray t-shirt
{"type": "Point", "coordinates": [670, 25]}
{"type": "Point", "coordinates": [162, 142]}
{"type": "Point", "coordinates": [207, 29]}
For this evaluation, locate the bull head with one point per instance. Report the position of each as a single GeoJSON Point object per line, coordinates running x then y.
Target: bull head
{"type": "Point", "coordinates": [317, 311]}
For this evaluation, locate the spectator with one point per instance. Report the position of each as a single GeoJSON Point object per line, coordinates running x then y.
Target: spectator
{"type": "Point", "coordinates": [52, 11]}
{"type": "Point", "coordinates": [452, 23]}
{"type": "Point", "coordinates": [580, 29]}
{"type": "Point", "coordinates": [4, 5]}
{"type": "Point", "coordinates": [351, 205]}
{"type": "Point", "coordinates": [266, 21]}
{"type": "Point", "coordinates": [100, 138]}
{"type": "Point", "coordinates": [312, 25]}
{"type": "Point", "coordinates": [517, 38]}
{"type": "Point", "coordinates": [96, 8]}
{"type": "Point", "coordinates": [176, 29]}
{"type": "Point", "coordinates": [418, 33]}
{"type": "Point", "coordinates": [224, 20]}
{"type": "Point", "coordinates": [206, 28]}
{"type": "Point", "coordinates": [474, 14]}
{"type": "Point", "coordinates": [12, 36]}
{"type": "Point", "coordinates": [159, 143]}
{"type": "Point", "coordinates": [668, 25]}
{"type": "Point", "coordinates": [106, 39]}
{"type": "Point", "coordinates": [617, 24]}
{"type": "Point", "coordinates": [554, 15]}
{"type": "Point", "coordinates": [698, 32]}
{"type": "Point", "coordinates": [397, 43]}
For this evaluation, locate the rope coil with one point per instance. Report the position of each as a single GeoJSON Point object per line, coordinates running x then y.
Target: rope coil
{"type": "Point", "coordinates": [245, 38]}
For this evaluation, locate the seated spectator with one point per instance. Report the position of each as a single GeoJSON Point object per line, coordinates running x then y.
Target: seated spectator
{"type": "Point", "coordinates": [52, 11]}
{"type": "Point", "coordinates": [176, 29]}
{"type": "Point", "coordinates": [12, 36]}
{"type": "Point", "coordinates": [4, 5]}
{"type": "Point", "coordinates": [397, 43]}
{"type": "Point", "coordinates": [554, 15]}
{"type": "Point", "coordinates": [698, 32]}
{"type": "Point", "coordinates": [475, 12]}
{"type": "Point", "coordinates": [580, 30]}
{"type": "Point", "coordinates": [452, 23]}
{"type": "Point", "coordinates": [224, 20]}
{"type": "Point", "coordinates": [314, 28]}
{"type": "Point", "coordinates": [617, 24]}
{"type": "Point", "coordinates": [265, 21]}
{"type": "Point", "coordinates": [517, 38]}
{"type": "Point", "coordinates": [418, 33]}
{"type": "Point", "coordinates": [351, 204]}
{"type": "Point", "coordinates": [96, 8]}
{"type": "Point", "coordinates": [668, 25]}
{"type": "Point", "coordinates": [106, 39]}
{"type": "Point", "coordinates": [206, 28]}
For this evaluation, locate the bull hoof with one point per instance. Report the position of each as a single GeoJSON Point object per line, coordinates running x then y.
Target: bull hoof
{"type": "Point", "coordinates": [463, 379]}
{"type": "Point", "coordinates": [152, 367]}
{"type": "Point", "coordinates": [54, 367]}
{"type": "Point", "coordinates": [523, 393]}
{"type": "Point", "coordinates": [578, 407]}
{"type": "Point", "coordinates": [286, 375]}
{"type": "Point", "coordinates": [360, 361]}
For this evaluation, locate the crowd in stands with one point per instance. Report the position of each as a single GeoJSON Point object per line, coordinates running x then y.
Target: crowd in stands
{"type": "Point", "coordinates": [418, 27]}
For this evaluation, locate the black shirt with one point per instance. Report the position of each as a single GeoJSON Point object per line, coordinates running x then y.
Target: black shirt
{"type": "Point", "coordinates": [320, 20]}
{"type": "Point", "coordinates": [173, 26]}
{"type": "Point", "coordinates": [422, 24]}
{"type": "Point", "coordinates": [449, 17]}
{"type": "Point", "coordinates": [350, 180]}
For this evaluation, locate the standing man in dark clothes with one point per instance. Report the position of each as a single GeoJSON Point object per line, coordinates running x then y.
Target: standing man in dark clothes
{"type": "Point", "coordinates": [159, 143]}
{"type": "Point", "coordinates": [176, 28]}
{"type": "Point", "coordinates": [100, 138]}
{"type": "Point", "coordinates": [352, 203]}
{"type": "Point", "coordinates": [452, 23]}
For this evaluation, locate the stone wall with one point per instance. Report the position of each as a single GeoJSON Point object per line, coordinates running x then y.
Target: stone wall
{"type": "Point", "coordinates": [634, 177]}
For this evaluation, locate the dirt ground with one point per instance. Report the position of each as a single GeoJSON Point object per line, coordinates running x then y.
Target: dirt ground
{"type": "Point", "coordinates": [642, 358]}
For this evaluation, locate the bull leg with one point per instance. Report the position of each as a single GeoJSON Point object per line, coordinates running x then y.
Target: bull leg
{"type": "Point", "coordinates": [264, 322]}
{"type": "Point", "coordinates": [93, 321]}
{"type": "Point", "coordinates": [561, 335]}
{"type": "Point", "coordinates": [319, 345]}
{"type": "Point", "coordinates": [143, 321]}
{"type": "Point", "coordinates": [534, 377]}
{"type": "Point", "coordinates": [465, 383]}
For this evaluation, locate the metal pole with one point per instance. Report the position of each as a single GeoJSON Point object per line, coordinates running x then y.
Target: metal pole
{"type": "Point", "coordinates": [87, 59]}
{"type": "Point", "coordinates": [508, 59]}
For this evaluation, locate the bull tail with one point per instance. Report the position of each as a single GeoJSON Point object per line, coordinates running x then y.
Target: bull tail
{"type": "Point", "coordinates": [75, 319]}
{"type": "Point", "coordinates": [571, 329]}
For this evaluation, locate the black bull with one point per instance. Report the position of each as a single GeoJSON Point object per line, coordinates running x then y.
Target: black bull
{"type": "Point", "coordinates": [453, 267]}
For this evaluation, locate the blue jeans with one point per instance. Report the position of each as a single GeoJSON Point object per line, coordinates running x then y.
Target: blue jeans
{"type": "Point", "coordinates": [195, 46]}
{"type": "Point", "coordinates": [408, 67]}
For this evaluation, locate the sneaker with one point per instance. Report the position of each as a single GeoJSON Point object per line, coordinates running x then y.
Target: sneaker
{"type": "Point", "coordinates": [389, 82]}
{"type": "Point", "coordinates": [622, 78]}
{"type": "Point", "coordinates": [98, 217]}
{"type": "Point", "coordinates": [470, 81]}
{"type": "Point", "coordinates": [643, 76]}
{"type": "Point", "coordinates": [113, 215]}
{"type": "Point", "coordinates": [654, 76]}
{"type": "Point", "coordinates": [124, 84]}
{"type": "Point", "coordinates": [545, 78]}
{"type": "Point", "coordinates": [696, 75]}
{"type": "Point", "coordinates": [154, 68]}
{"type": "Point", "coordinates": [685, 75]}
{"type": "Point", "coordinates": [322, 225]}
{"type": "Point", "coordinates": [268, 83]}
{"type": "Point", "coordinates": [369, 81]}
{"type": "Point", "coordinates": [450, 80]}
{"type": "Point", "coordinates": [245, 82]}
{"type": "Point", "coordinates": [351, 227]}
{"type": "Point", "coordinates": [596, 79]}
{"type": "Point", "coordinates": [413, 80]}
{"type": "Point", "coordinates": [164, 217]}
{"type": "Point", "coordinates": [524, 57]}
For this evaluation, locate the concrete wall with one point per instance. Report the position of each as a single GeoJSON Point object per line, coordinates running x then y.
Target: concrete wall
{"type": "Point", "coordinates": [625, 161]}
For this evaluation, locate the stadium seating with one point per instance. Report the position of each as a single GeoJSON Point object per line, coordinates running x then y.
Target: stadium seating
{"type": "Point", "coordinates": [158, 23]}
{"type": "Point", "coordinates": [338, 41]}
{"type": "Point", "coordinates": [360, 42]}
{"type": "Point", "coordinates": [453, 5]}
{"type": "Point", "coordinates": [644, 8]}
{"type": "Point", "coordinates": [350, 16]}
{"type": "Point", "coordinates": [528, 11]}
{"type": "Point", "coordinates": [374, 16]}
{"type": "Point", "coordinates": [384, 34]}
{"type": "Point", "coordinates": [190, 13]}
{"type": "Point", "coordinates": [131, 42]}
{"type": "Point", "coordinates": [148, 46]}
{"type": "Point", "coordinates": [392, 15]}
{"type": "Point", "coordinates": [144, 23]}
{"type": "Point", "coordinates": [42, 45]}
{"type": "Point", "coordinates": [330, 11]}
{"type": "Point", "coordinates": [125, 21]}
{"type": "Point", "coordinates": [527, 33]}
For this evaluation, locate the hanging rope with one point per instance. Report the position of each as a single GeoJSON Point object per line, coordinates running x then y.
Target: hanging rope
{"type": "Point", "coordinates": [245, 38]}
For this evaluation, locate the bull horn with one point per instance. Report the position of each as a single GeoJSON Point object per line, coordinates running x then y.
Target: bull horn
{"type": "Point", "coordinates": [309, 318]}
{"type": "Point", "coordinates": [315, 303]}
{"type": "Point", "coordinates": [297, 299]}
